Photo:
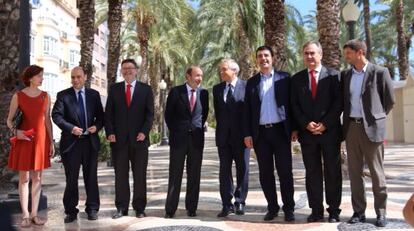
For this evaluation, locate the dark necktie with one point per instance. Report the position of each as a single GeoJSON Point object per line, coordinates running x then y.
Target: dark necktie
{"type": "Point", "coordinates": [82, 111]}
{"type": "Point", "coordinates": [192, 100]}
{"type": "Point", "coordinates": [314, 85]}
{"type": "Point", "coordinates": [128, 95]}
{"type": "Point", "coordinates": [229, 97]}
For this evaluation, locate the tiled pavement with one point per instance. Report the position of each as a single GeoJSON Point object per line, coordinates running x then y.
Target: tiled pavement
{"type": "Point", "coordinates": [399, 165]}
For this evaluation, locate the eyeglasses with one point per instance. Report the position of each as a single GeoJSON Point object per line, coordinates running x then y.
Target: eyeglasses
{"type": "Point", "coordinates": [128, 68]}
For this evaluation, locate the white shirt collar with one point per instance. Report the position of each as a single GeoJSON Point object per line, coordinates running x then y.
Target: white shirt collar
{"type": "Point", "coordinates": [82, 90]}
{"type": "Point", "coordinates": [132, 84]}
{"type": "Point", "coordinates": [364, 69]}
{"type": "Point", "coordinates": [233, 83]}
{"type": "Point", "coordinates": [189, 88]}
{"type": "Point", "coordinates": [317, 69]}
{"type": "Point", "coordinates": [271, 73]}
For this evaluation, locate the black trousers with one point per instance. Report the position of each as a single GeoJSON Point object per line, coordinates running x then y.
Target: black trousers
{"type": "Point", "coordinates": [272, 149]}
{"type": "Point", "coordinates": [122, 156]}
{"type": "Point", "coordinates": [318, 170]}
{"type": "Point", "coordinates": [83, 154]}
{"type": "Point", "coordinates": [194, 155]}
{"type": "Point", "coordinates": [240, 155]}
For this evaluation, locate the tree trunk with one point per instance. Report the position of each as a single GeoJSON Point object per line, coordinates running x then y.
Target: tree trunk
{"type": "Point", "coordinates": [86, 22]}
{"type": "Point", "coordinates": [328, 29]}
{"type": "Point", "coordinates": [401, 41]}
{"type": "Point", "coordinates": [9, 69]}
{"type": "Point", "coordinates": [114, 42]}
{"type": "Point", "coordinates": [246, 67]}
{"type": "Point", "coordinates": [143, 38]}
{"type": "Point", "coordinates": [275, 30]}
{"type": "Point", "coordinates": [154, 81]}
{"type": "Point", "coordinates": [367, 28]}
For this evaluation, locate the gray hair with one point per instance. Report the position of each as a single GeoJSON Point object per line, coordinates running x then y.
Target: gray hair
{"type": "Point", "coordinates": [232, 64]}
{"type": "Point", "coordinates": [316, 43]}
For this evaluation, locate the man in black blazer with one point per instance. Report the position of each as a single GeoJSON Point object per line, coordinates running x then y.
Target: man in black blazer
{"type": "Point", "coordinates": [368, 95]}
{"type": "Point", "coordinates": [129, 113]}
{"type": "Point", "coordinates": [228, 108]}
{"type": "Point", "coordinates": [317, 105]}
{"type": "Point", "coordinates": [268, 128]}
{"type": "Point", "coordinates": [186, 113]}
{"type": "Point", "coordinates": [79, 114]}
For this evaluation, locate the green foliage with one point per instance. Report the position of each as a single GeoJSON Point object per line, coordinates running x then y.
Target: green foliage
{"type": "Point", "coordinates": [155, 137]}
{"type": "Point", "coordinates": [104, 153]}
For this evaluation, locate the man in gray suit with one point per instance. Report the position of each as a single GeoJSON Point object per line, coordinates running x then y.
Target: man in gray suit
{"type": "Point", "coordinates": [228, 108]}
{"type": "Point", "coordinates": [368, 97]}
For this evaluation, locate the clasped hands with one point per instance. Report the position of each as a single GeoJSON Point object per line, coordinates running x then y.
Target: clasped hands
{"type": "Point", "coordinates": [140, 137]}
{"type": "Point", "coordinates": [316, 128]}
{"type": "Point", "coordinates": [77, 131]}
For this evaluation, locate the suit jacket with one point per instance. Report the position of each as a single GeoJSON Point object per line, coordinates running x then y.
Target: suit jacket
{"type": "Point", "coordinates": [377, 100]}
{"type": "Point", "coordinates": [178, 116]}
{"type": "Point", "coordinates": [126, 122]}
{"type": "Point", "coordinates": [65, 114]}
{"type": "Point", "coordinates": [325, 108]}
{"type": "Point", "coordinates": [253, 104]}
{"type": "Point", "coordinates": [229, 117]}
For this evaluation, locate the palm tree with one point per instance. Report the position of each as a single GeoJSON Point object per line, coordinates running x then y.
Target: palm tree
{"type": "Point", "coordinates": [9, 67]}
{"type": "Point", "coordinates": [86, 19]}
{"type": "Point", "coordinates": [328, 30]}
{"type": "Point", "coordinates": [114, 41]}
{"type": "Point", "coordinates": [227, 32]}
{"type": "Point", "coordinates": [401, 41]}
{"type": "Point", "coordinates": [275, 29]}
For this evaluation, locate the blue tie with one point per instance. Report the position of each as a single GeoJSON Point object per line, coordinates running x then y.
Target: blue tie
{"type": "Point", "coordinates": [82, 111]}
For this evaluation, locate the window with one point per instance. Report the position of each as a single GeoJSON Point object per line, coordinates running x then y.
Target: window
{"type": "Point", "coordinates": [96, 47]}
{"type": "Point", "coordinates": [73, 58]}
{"type": "Point", "coordinates": [103, 67]}
{"type": "Point", "coordinates": [51, 84]}
{"type": "Point", "coordinates": [49, 45]}
{"type": "Point", "coordinates": [32, 44]}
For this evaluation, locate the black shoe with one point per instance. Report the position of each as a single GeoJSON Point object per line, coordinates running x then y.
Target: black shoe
{"type": "Point", "coordinates": [381, 221]}
{"type": "Point", "coordinates": [225, 212]}
{"type": "Point", "coordinates": [169, 215]}
{"type": "Point", "coordinates": [270, 216]}
{"type": "Point", "coordinates": [93, 215]}
{"type": "Point", "coordinates": [239, 209]}
{"type": "Point", "coordinates": [356, 218]}
{"type": "Point", "coordinates": [119, 213]}
{"type": "Point", "coordinates": [333, 218]}
{"type": "Point", "coordinates": [289, 216]}
{"type": "Point", "coordinates": [140, 214]}
{"type": "Point", "coordinates": [70, 218]}
{"type": "Point", "coordinates": [315, 217]}
{"type": "Point", "coordinates": [191, 213]}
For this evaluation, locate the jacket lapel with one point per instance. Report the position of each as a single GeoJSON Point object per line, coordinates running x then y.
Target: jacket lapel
{"type": "Point", "coordinates": [367, 77]}
{"type": "Point", "coordinates": [74, 102]}
{"type": "Point", "coordinates": [89, 107]}
{"type": "Point", "coordinates": [184, 97]}
{"type": "Point", "coordinates": [134, 94]}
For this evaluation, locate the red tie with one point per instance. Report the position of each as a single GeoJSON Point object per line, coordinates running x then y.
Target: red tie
{"type": "Point", "coordinates": [314, 85]}
{"type": "Point", "coordinates": [192, 100]}
{"type": "Point", "coordinates": [128, 94]}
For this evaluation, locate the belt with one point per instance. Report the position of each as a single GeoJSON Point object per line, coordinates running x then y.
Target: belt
{"type": "Point", "coordinates": [267, 125]}
{"type": "Point", "coordinates": [356, 120]}
{"type": "Point", "coordinates": [83, 136]}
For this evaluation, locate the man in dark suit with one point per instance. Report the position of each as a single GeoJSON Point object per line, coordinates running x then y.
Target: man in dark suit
{"type": "Point", "coordinates": [186, 113]}
{"type": "Point", "coordinates": [368, 96]}
{"type": "Point", "coordinates": [79, 114]}
{"type": "Point", "coordinates": [228, 108]}
{"type": "Point", "coordinates": [317, 106]}
{"type": "Point", "coordinates": [268, 128]}
{"type": "Point", "coordinates": [129, 113]}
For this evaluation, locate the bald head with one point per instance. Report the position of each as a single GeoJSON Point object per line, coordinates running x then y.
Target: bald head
{"type": "Point", "coordinates": [78, 78]}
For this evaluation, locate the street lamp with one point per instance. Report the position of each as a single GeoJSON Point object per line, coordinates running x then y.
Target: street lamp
{"type": "Point", "coordinates": [163, 87]}
{"type": "Point", "coordinates": [350, 13]}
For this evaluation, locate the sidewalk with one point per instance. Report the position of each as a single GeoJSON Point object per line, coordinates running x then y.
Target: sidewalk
{"type": "Point", "coordinates": [399, 165]}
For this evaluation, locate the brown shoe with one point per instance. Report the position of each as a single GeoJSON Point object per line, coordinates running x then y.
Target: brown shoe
{"type": "Point", "coordinates": [26, 222]}
{"type": "Point", "coordinates": [37, 221]}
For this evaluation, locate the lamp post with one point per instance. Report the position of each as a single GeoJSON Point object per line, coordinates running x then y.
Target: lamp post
{"type": "Point", "coordinates": [350, 13]}
{"type": "Point", "coordinates": [163, 87]}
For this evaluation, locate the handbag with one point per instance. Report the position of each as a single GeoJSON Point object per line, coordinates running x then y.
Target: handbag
{"type": "Point", "coordinates": [17, 118]}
